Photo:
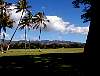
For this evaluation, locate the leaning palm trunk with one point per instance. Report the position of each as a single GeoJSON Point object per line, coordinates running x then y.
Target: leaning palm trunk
{"type": "Point", "coordinates": [12, 37]}
{"type": "Point", "coordinates": [15, 31]}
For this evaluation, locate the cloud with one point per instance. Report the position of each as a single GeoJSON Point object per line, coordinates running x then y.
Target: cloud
{"type": "Point", "coordinates": [15, 16]}
{"type": "Point", "coordinates": [57, 24]}
{"type": "Point", "coordinates": [79, 30]}
{"type": "Point", "coordinates": [22, 36]}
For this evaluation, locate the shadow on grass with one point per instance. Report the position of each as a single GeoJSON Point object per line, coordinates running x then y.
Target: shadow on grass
{"type": "Point", "coordinates": [56, 63]}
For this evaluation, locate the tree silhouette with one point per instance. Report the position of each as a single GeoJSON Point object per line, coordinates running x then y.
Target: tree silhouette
{"type": "Point", "coordinates": [40, 22]}
{"type": "Point", "coordinates": [90, 14]}
{"type": "Point", "coordinates": [91, 48]}
{"type": "Point", "coordinates": [5, 20]}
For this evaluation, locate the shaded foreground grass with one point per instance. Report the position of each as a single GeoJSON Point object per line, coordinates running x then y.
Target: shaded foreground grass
{"type": "Point", "coordinates": [52, 63]}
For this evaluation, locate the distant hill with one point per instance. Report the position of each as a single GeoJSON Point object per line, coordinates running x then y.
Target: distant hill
{"type": "Point", "coordinates": [44, 44]}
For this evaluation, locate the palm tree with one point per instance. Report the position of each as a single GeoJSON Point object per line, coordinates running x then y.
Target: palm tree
{"type": "Point", "coordinates": [37, 20]}
{"type": "Point", "coordinates": [26, 22]}
{"type": "Point", "coordinates": [40, 22]}
{"type": "Point", "coordinates": [22, 6]}
{"type": "Point", "coordinates": [5, 20]}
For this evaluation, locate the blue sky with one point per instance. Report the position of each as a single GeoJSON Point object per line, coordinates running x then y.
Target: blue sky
{"type": "Point", "coordinates": [60, 11]}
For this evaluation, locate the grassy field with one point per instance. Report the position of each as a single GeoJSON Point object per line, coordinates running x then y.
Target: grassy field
{"type": "Point", "coordinates": [57, 61]}
{"type": "Point", "coordinates": [17, 52]}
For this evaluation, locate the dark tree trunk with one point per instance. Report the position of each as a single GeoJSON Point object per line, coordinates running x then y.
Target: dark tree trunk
{"type": "Point", "coordinates": [92, 48]}
{"type": "Point", "coordinates": [92, 43]}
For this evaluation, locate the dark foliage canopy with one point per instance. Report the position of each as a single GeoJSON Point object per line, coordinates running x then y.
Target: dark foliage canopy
{"type": "Point", "coordinates": [89, 8]}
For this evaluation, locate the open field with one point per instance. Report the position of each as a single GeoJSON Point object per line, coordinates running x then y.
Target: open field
{"type": "Point", "coordinates": [17, 52]}
{"type": "Point", "coordinates": [66, 62]}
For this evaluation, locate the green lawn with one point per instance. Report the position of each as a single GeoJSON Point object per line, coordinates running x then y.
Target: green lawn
{"type": "Point", "coordinates": [47, 61]}
{"type": "Point", "coordinates": [17, 52]}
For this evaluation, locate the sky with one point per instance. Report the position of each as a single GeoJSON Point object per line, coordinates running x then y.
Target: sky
{"type": "Point", "coordinates": [65, 21]}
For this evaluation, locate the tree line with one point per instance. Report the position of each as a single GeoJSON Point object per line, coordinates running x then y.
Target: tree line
{"type": "Point", "coordinates": [37, 45]}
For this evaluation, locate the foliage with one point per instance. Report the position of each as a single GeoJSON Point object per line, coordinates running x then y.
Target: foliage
{"type": "Point", "coordinates": [36, 45]}
{"type": "Point", "coordinates": [28, 21]}
{"type": "Point", "coordinates": [40, 20]}
{"type": "Point", "coordinates": [5, 20]}
{"type": "Point", "coordinates": [22, 5]}
{"type": "Point", "coordinates": [88, 10]}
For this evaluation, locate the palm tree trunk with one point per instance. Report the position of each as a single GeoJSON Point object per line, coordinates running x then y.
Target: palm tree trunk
{"type": "Point", "coordinates": [3, 40]}
{"type": "Point", "coordinates": [1, 46]}
{"type": "Point", "coordinates": [14, 31]}
{"type": "Point", "coordinates": [1, 13]}
{"type": "Point", "coordinates": [29, 44]}
{"type": "Point", "coordinates": [39, 40]}
{"type": "Point", "coordinates": [12, 37]}
{"type": "Point", "coordinates": [25, 38]}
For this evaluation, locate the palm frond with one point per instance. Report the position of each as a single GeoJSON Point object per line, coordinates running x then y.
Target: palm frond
{"type": "Point", "coordinates": [27, 20]}
{"type": "Point", "coordinates": [37, 26]}
{"type": "Point", "coordinates": [5, 20]}
{"type": "Point", "coordinates": [34, 26]}
{"type": "Point", "coordinates": [45, 26]}
{"type": "Point", "coordinates": [40, 19]}
{"type": "Point", "coordinates": [4, 29]}
{"type": "Point", "coordinates": [22, 5]}
{"type": "Point", "coordinates": [21, 27]}
{"type": "Point", "coordinates": [1, 1]}
{"type": "Point", "coordinates": [0, 28]}
{"type": "Point", "coordinates": [4, 35]}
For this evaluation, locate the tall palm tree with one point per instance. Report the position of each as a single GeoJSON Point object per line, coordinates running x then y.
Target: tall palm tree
{"type": "Point", "coordinates": [25, 23]}
{"type": "Point", "coordinates": [22, 6]}
{"type": "Point", "coordinates": [5, 20]}
{"type": "Point", "coordinates": [38, 19]}
{"type": "Point", "coordinates": [40, 22]}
